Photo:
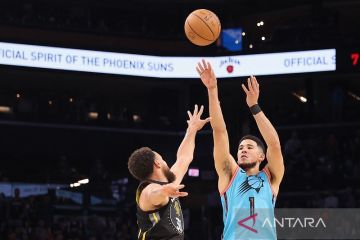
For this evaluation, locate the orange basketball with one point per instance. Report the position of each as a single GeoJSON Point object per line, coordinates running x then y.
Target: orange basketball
{"type": "Point", "coordinates": [202, 27]}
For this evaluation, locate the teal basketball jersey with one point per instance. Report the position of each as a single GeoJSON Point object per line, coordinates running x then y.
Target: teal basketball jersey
{"type": "Point", "coordinates": [248, 204]}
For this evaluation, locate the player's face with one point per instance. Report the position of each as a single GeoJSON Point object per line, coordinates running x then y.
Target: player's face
{"type": "Point", "coordinates": [249, 154]}
{"type": "Point", "coordinates": [165, 168]}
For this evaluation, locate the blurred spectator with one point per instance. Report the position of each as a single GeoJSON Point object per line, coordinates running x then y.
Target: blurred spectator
{"type": "Point", "coordinates": [292, 145]}
{"type": "Point", "coordinates": [16, 210]}
{"type": "Point", "coordinates": [337, 101]}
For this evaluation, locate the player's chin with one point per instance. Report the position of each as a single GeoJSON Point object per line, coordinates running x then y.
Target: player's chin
{"type": "Point", "coordinates": [244, 161]}
{"type": "Point", "coordinates": [247, 164]}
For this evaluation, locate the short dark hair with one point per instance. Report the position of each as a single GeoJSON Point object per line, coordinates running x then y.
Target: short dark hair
{"type": "Point", "coordinates": [255, 139]}
{"type": "Point", "coordinates": [141, 162]}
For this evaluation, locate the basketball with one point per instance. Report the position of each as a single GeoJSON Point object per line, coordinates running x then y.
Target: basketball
{"type": "Point", "coordinates": [202, 27]}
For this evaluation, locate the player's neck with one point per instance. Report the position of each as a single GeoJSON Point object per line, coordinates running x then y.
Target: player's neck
{"type": "Point", "coordinates": [252, 171]}
{"type": "Point", "coordinates": [160, 177]}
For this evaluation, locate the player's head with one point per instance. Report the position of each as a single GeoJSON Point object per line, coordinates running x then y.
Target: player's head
{"type": "Point", "coordinates": [143, 162]}
{"type": "Point", "coordinates": [251, 152]}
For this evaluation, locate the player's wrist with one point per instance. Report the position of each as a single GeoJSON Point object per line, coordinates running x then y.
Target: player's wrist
{"type": "Point", "coordinates": [255, 109]}
{"type": "Point", "coordinates": [212, 88]}
{"type": "Point", "coordinates": [164, 191]}
{"type": "Point", "coordinates": [191, 129]}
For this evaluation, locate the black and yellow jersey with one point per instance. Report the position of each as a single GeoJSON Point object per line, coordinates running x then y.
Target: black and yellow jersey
{"type": "Point", "coordinates": [165, 223]}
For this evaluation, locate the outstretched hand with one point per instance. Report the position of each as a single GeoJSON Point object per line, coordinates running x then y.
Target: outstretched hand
{"type": "Point", "coordinates": [195, 120]}
{"type": "Point", "coordinates": [206, 74]}
{"type": "Point", "coordinates": [252, 91]}
{"type": "Point", "coordinates": [173, 190]}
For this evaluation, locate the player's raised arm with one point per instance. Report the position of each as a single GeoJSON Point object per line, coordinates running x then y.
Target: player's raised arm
{"type": "Point", "coordinates": [225, 164]}
{"type": "Point", "coordinates": [185, 152]}
{"type": "Point", "coordinates": [268, 132]}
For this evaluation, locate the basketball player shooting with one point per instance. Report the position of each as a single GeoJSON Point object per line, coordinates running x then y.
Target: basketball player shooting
{"type": "Point", "coordinates": [159, 214]}
{"type": "Point", "coordinates": [242, 185]}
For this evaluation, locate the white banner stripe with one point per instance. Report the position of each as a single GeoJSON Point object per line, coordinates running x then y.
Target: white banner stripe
{"type": "Point", "coordinates": [165, 67]}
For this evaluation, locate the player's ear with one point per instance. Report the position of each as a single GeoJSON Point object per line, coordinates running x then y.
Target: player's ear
{"type": "Point", "coordinates": [262, 156]}
{"type": "Point", "coordinates": [157, 163]}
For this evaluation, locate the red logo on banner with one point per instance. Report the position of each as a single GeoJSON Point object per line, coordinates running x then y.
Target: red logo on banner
{"type": "Point", "coordinates": [230, 68]}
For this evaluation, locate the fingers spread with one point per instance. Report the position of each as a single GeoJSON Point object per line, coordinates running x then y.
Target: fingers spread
{"type": "Point", "coordinates": [196, 108]}
{"type": "Point", "coordinates": [201, 110]}
{"type": "Point", "coordinates": [253, 83]}
{"type": "Point", "coordinates": [256, 82]}
{"type": "Point", "coordinates": [251, 90]}
{"type": "Point", "coordinates": [183, 194]}
{"type": "Point", "coordinates": [200, 67]}
{"type": "Point", "coordinates": [198, 70]}
{"type": "Point", "coordinates": [244, 88]}
{"type": "Point", "coordinates": [189, 114]}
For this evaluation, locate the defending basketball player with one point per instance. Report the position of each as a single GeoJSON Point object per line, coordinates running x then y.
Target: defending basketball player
{"type": "Point", "coordinates": [243, 187]}
{"type": "Point", "coordinates": [159, 214]}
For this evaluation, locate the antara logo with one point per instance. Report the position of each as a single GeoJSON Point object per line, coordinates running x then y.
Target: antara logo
{"type": "Point", "coordinates": [229, 63]}
{"type": "Point", "coordinates": [253, 218]}
{"type": "Point", "coordinates": [307, 222]}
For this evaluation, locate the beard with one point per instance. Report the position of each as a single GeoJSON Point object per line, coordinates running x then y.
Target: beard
{"type": "Point", "coordinates": [247, 166]}
{"type": "Point", "coordinates": [170, 176]}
